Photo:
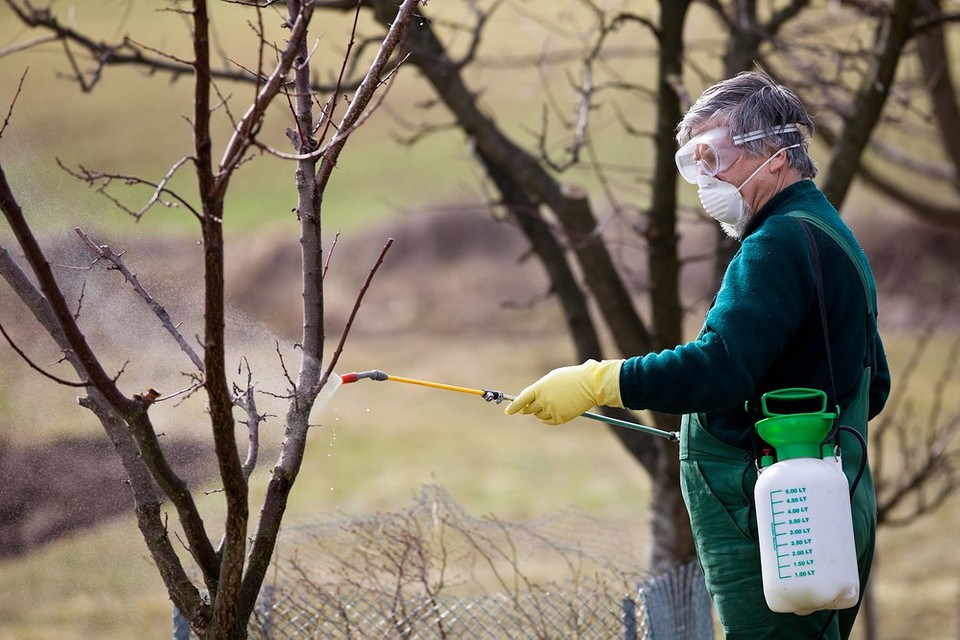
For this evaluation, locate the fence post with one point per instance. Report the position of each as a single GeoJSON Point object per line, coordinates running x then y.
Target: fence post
{"type": "Point", "coordinates": [628, 613]}
{"type": "Point", "coordinates": [677, 605]}
{"type": "Point", "coordinates": [181, 628]}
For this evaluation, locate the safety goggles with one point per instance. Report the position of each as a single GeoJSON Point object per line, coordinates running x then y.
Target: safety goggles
{"type": "Point", "coordinates": [715, 150]}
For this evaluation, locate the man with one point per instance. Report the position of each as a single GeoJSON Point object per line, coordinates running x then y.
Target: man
{"type": "Point", "coordinates": [744, 143]}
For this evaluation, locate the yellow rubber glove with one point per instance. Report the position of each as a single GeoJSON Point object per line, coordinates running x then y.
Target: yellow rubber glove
{"type": "Point", "coordinates": [565, 393]}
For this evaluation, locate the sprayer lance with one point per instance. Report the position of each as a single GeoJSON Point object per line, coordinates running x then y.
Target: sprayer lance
{"type": "Point", "coordinates": [491, 395]}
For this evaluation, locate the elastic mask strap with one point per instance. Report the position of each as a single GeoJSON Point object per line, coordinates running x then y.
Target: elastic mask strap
{"type": "Point", "coordinates": [778, 152]}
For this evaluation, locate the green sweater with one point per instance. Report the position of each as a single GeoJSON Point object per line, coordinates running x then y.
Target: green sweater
{"type": "Point", "coordinates": [763, 331]}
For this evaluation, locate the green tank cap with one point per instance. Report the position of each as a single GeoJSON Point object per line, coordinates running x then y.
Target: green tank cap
{"type": "Point", "coordinates": [795, 435]}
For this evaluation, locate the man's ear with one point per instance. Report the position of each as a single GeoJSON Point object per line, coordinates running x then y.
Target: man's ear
{"type": "Point", "coordinates": [777, 161]}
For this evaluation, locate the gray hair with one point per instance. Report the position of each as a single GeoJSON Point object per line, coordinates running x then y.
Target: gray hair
{"type": "Point", "coordinates": [752, 101]}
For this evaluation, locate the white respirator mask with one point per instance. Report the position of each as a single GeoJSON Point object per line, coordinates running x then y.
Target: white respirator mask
{"type": "Point", "coordinates": [723, 201]}
{"type": "Point", "coordinates": [711, 152]}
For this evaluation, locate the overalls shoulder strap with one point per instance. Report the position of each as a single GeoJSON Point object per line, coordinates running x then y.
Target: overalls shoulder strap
{"type": "Point", "coordinates": [853, 254]}
{"type": "Point", "coordinates": [854, 415]}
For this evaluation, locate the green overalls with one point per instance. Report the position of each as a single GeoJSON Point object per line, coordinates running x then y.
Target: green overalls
{"type": "Point", "coordinates": [717, 481]}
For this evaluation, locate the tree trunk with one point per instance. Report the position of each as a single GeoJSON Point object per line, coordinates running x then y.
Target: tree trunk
{"type": "Point", "coordinates": [861, 119]}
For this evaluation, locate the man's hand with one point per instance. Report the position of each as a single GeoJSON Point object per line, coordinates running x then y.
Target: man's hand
{"type": "Point", "coordinates": [565, 393]}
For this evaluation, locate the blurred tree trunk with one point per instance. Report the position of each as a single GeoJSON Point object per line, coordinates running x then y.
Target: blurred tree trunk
{"type": "Point", "coordinates": [935, 59]}
{"type": "Point", "coordinates": [670, 524]}
{"type": "Point", "coordinates": [526, 185]}
{"type": "Point", "coordinates": [862, 116]}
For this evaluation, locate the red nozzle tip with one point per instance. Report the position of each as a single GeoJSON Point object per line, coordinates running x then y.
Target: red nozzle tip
{"type": "Point", "coordinates": [348, 377]}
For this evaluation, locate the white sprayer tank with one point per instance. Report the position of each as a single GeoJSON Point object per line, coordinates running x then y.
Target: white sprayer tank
{"type": "Point", "coordinates": [808, 555]}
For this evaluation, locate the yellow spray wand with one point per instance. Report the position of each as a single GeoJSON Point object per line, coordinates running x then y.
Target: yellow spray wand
{"type": "Point", "coordinates": [498, 397]}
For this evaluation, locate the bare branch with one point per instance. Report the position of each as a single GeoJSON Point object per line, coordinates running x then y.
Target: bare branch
{"type": "Point", "coordinates": [100, 182]}
{"type": "Point", "coordinates": [13, 102]}
{"type": "Point", "coordinates": [334, 97]}
{"type": "Point", "coordinates": [353, 313]}
{"type": "Point", "coordinates": [245, 400]}
{"type": "Point", "coordinates": [35, 366]}
{"type": "Point", "coordinates": [48, 284]}
{"type": "Point", "coordinates": [333, 248]}
{"type": "Point", "coordinates": [890, 37]}
{"type": "Point", "coordinates": [361, 99]}
{"type": "Point", "coordinates": [29, 44]}
{"type": "Point", "coordinates": [283, 366]}
{"type": "Point", "coordinates": [104, 252]}
{"type": "Point", "coordinates": [131, 410]}
{"type": "Point", "coordinates": [244, 132]}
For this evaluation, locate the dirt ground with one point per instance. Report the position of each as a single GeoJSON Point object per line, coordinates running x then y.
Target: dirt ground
{"type": "Point", "coordinates": [40, 503]}
{"type": "Point", "coordinates": [445, 273]}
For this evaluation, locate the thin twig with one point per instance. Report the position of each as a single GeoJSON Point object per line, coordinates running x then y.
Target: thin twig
{"type": "Point", "coordinates": [183, 392]}
{"type": "Point", "coordinates": [244, 133]}
{"type": "Point", "coordinates": [101, 181]}
{"type": "Point", "coordinates": [365, 92]}
{"type": "Point", "coordinates": [353, 313]}
{"type": "Point", "coordinates": [247, 402]}
{"type": "Point", "coordinates": [286, 373]}
{"type": "Point", "coordinates": [13, 102]}
{"type": "Point", "coordinates": [333, 247]}
{"type": "Point", "coordinates": [35, 366]}
{"type": "Point", "coordinates": [23, 46]}
{"type": "Point", "coordinates": [343, 68]}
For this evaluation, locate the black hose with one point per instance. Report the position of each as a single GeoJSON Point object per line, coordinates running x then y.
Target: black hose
{"type": "Point", "coordinates": [853, 489]}
{"type": "Point", "coordinates": [863, 459]}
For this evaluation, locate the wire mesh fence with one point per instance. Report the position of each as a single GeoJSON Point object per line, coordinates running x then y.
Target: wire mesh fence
{"type": "Point", "coordinates": [435, 572]}
{"type": "Point", "coordinates": [674, 605]}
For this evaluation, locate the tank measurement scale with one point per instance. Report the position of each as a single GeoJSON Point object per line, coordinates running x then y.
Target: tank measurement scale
{"type": "Point", "coordinates": [792, 534]}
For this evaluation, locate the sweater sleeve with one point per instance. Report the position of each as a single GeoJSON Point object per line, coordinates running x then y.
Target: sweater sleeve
{"type": "Point", "coordinates": [766, 293]}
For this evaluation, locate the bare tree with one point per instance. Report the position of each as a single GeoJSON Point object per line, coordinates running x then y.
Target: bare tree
{"type": "Point", "coordinates": [231, 568]}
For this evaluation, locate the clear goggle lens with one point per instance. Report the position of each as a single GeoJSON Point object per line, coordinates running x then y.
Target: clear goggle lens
{"type": "Point", "coordinates": [706, 155]}
{"type": "Point", "coordinates": [715, 150]}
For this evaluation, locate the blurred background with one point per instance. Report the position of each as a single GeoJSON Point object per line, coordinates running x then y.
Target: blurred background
{"type": "Point", "coordinates": [458, 300]}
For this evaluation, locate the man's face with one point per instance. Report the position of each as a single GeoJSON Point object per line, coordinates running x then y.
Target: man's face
{"type": "Point", "coordinates": [737, 166]}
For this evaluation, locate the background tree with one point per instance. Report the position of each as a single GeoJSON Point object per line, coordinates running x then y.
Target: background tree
{"type": "Point", "coordinates": [849, 86]}
{"type": "Point", "coordinates": [231, 569]}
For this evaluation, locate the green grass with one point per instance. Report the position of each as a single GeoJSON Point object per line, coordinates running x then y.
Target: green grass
{"type": "Point", "coordinates": [95, 585]}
